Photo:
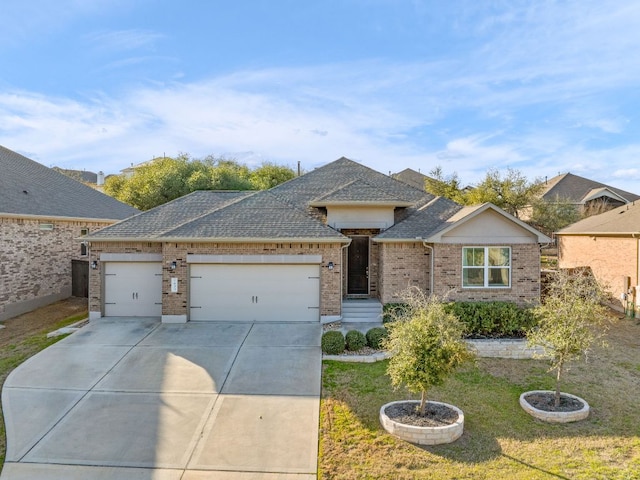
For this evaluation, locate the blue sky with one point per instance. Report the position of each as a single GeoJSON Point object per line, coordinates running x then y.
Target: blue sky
{"type": "Point", "coordinates": [544, 87]}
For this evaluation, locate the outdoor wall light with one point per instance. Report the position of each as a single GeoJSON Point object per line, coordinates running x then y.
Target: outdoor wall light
{"type": "Point", "coordinates": [94, 264]}
{"type": "Point", "coordinates": [173, 265]}
{"type": "Point", "coordinates": [330, 265]}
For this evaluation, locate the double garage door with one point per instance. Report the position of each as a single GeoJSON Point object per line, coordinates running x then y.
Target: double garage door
{"type": "Point", "coordinates": [255, 292]}
{"type": "Point", "coordinates": [218, 291]}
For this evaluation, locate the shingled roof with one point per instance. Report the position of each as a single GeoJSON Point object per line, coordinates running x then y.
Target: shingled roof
{"type": "Point", "coordinates": [624, 220]}
{"type": "Point", "coordinates": [29, 188]}
{"type": "Point", "coordinates": [577, 189]}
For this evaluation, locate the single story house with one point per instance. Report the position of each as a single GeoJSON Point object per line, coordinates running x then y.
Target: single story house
{"type": "Point", "coordinates": [608, 243]}
{"type": "Point", "coordinates": [298, 250]}
{"type": "Point", "coordinates": [588, 196]}
{"type": "Point", "coordinates": [42, 214]}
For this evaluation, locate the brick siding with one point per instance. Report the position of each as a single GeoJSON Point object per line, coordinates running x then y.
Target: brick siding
{"type": "Point", "coordinates": [408, 264]}
{"type": "Point", "coordinates": [610, 259]}
{"type": "Point", "coordinates": [35, 264]}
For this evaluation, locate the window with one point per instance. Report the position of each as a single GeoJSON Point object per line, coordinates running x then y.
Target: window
{"type": "Point", "coordinates": [486, 267]}
{"type": "Point", "coordinates": [83, 245]}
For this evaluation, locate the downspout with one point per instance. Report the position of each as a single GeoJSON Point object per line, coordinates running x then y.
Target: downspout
{"type": "Point", "coordinates": [342, 272]}
{"type": "Point", "coordinates": [424, 244]}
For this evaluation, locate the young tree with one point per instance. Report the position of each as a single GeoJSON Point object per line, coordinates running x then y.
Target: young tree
{"type": "Point", "coordinates": [512, 193]}
{"type": "Point", "coordinates": [551, 216]}
{"type": "Point", "coordinates": [427, 344]}
{"type": "Point", "coordinates": [269, 175]}
{"type": "Point", "coordinates": [570, 319]}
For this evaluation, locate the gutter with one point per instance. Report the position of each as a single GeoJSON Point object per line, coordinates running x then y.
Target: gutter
{"type": "Point", "coordinates": [60, 218]}
{"type": "Point", "coordinates": [214, 240]}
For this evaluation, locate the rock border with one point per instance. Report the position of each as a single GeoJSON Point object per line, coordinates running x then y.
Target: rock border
{"type": "Point", "coordinates": [554, 417]}
{"type": "Point", "coordinates": [504, 348]}
{"type": "Point", "coordinates": [423, 435]}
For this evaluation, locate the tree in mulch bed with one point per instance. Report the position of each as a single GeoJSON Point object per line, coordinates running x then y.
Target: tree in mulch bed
{"type": "Point", "coordinates": [427, 343]}
{"type": "Point", "coordinates": [571, 318]}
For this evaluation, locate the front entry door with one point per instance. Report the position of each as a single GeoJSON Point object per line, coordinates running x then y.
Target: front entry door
{"type": "Point", "coordinates": [358, 266]}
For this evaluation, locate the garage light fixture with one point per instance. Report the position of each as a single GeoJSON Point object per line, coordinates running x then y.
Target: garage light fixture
{"type": "Point", "coordinates": [94, 264]}
{"type": "Point", "coordinates": [330, 265]}
{"type": "Point", "coordinates": [173, 265]}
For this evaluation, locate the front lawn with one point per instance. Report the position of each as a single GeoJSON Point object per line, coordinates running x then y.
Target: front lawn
{"type": "Point", "coordinates": [500, 439]}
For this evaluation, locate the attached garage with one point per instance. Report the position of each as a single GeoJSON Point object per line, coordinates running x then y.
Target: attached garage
{"type": "Point", "coordinates": [254, 288]}
{"type": "Point", "coordinates": [132, 289]}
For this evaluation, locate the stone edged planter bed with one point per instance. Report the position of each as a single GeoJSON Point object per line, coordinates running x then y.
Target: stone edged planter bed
{"type": "Point", "coordinates": [423, 435]}
{"type": "Point", "coordinates": [575, 408]}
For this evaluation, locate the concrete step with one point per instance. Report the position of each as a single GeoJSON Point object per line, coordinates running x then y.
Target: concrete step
{"type": "Point", "coordinates": [366, 310]}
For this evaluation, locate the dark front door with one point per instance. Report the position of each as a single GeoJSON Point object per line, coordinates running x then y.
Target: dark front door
{"type": "Point", "coordinates": [358, 266]}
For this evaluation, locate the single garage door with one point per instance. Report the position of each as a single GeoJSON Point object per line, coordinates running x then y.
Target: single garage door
{"type": "Point", "coordinates": [248, 293]}
{"type": "Point", "coordinates": [132, 289]}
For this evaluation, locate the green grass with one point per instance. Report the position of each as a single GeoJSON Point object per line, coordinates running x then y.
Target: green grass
{"type": "Point", "coordinates": [14, 354]}
{"type": "Point", "coordinates": [500, 439]}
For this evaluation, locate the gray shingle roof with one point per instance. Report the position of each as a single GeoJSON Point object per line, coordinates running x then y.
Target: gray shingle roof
{"type": "Point", "coordinates": [29, 188]}
{"type": "Point", "coordinates": [426, 221]}
{"type": "Point", "coordinates": [411, 177]}
{"type": "Point", "coordinates": [620, 221]}
{"type": "Point", "coordinates": [312, 185]}
{"type": "Point", "coordinates": [360, 192]}
{"type": "Point", "coordinates": [575, 189]}
{"type": "Point", "coordinates": [156, 222]}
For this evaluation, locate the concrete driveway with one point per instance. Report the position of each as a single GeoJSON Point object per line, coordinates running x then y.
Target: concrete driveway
{"type": "Point", "coordinates": [136, 399]}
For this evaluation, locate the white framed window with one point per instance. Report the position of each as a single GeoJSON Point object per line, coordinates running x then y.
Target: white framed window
{"type": "Point", "coordinates": [486, 267]}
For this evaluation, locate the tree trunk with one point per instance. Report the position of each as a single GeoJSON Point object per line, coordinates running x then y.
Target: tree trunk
{"type": "Point", "coordinates": [556, 400]}
{"type": "Point", "coordinates": [423, 403]}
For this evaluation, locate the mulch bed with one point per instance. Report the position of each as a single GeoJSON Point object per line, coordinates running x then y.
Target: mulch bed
{"type": "Point", "coordinates": [435, 415]}
{"type": "Point", "coordinates": [545, 402]}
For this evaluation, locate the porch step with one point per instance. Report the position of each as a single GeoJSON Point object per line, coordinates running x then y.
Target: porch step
{"type": "Point", "coordinates": [366, 310]}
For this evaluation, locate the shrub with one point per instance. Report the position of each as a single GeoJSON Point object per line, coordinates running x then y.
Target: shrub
{"type": "Point", "coordinates": [393, 311]}
{"type": "Point", "coordinates": [375, 336]}
{"type": "Point", "coordinates": [493, 319]}
{"type": "Point", "coordinates": [355, 340]}
{"type": "Point", "coordinates": [333, 342]}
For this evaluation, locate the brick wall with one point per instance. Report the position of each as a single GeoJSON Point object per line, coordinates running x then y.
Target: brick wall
{"type": "Point", "coordinates": [35, 264]}
{"type": "Point", "coordinates": [177, 303]}
{"type": "Point", "coordinates": [403, 265]}
{"type": "Point", "coordinates": [406, 265]}
{"type": "Point", "coordinates": [610, 258]}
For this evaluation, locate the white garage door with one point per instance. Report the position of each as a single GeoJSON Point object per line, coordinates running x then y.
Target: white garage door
{"type": "Point", "coordinates": [132, 289]}
{"type": "Point", "coordinates": [252, 292]}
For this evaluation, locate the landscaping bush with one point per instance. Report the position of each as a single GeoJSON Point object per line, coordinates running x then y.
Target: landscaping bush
{"type": "Point", "coordinates": [333, 342]}
{"type": "Point", "coordinates": [375, 336]}
{"type": "Point", "coordinates": [493, 319]}
{"type": "Point", "coordinates": [393, 311]}
{"type": "Point", "coordinates": [355, 340]}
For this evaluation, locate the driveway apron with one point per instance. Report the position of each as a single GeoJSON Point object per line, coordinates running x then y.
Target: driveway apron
{"type": "Point", "coordinates": [137, 399]}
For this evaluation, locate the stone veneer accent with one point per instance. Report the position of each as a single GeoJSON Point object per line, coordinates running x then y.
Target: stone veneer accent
{"type": "Point", "coordinates": [504, 348]}
{"type": "Point", "coordinates": [176, 304]}
{"type": "Point", "coordinates": [35, 265]}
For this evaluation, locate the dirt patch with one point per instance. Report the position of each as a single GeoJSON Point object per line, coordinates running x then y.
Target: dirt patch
{"type": "Point", "coordinates": [41, 320]}
{"type": "Point", "coordinates": [436, 415]}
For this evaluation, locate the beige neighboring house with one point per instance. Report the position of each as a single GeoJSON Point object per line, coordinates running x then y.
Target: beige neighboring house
{"type": "Point", "coordinates": [42, 215]}
{"type": "Point", "coordinates": [304, 249]}
{"type": "Point", "coordinates": [609, 243]}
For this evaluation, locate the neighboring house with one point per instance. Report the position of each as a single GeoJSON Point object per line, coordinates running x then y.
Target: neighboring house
{"type": "Point", "coordinates": [130, 171]}
{"type": "Point", "coordinates": [296, 251]}
{"type": "Point", "coordinates": [411, 177]}
{"type": "Point", "coordinates": [587, 195]}
{"type": "Point", "coordinates": [609, 244]}
{"type": "Point", "coordinates": [42, 215]}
